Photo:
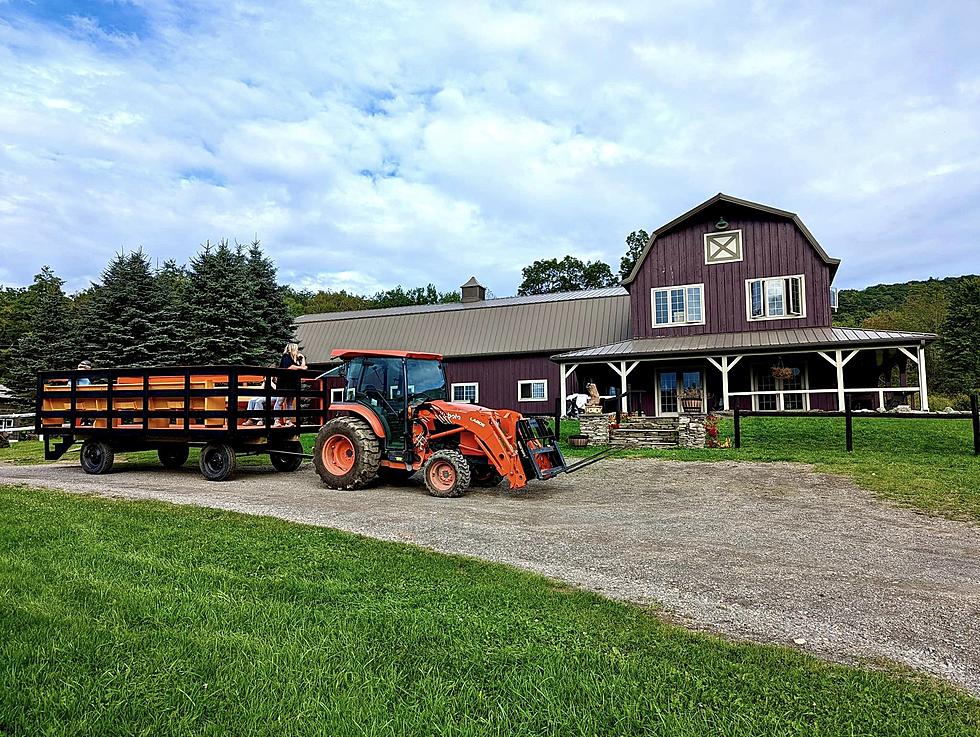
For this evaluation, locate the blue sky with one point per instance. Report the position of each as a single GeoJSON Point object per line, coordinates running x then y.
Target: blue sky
{"type": "Point", "coordinates": [371, 144]}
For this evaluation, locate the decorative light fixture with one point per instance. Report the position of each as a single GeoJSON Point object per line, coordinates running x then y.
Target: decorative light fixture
{"type": "Point", "coordinates": [722, 224]}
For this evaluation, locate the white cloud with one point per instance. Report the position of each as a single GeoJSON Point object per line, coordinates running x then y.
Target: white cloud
{"type": "Point", "coordinates": [398, 143]}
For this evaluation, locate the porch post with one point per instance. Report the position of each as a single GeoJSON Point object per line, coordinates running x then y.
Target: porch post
{"type": "Point", "coordinates": [564, 390]}
{"type": "Point", "coordinates": [923, 389]}
{"type": "Point", "coordinates": [724, 383]}
{"type": "Point", "coordinates": [839, 363]}
{"type": "Point", "coordinates": [622, 384]}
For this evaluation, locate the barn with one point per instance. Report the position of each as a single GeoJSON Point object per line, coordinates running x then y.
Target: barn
{"type": "Point", "coordinates": [729, 305]}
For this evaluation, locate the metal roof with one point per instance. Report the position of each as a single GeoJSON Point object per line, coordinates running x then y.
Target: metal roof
{"type": "Point", "coordinates": [722, 197]}
{"type": "Point", "coordinates": [760, 341]}
{"type": "Point", "coordinates": [539, 323]}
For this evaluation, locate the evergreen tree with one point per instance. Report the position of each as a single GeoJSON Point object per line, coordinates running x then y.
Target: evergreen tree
{"type": "Point", "coordinates": [48, 340]}
{"type": "Point", "coordinates": [118, 325]}
{"type": "Point", "coordinates": [274, 326]}
{"type": "Point", "coordinates": [961, 348]}
{"type": "Point", "coordinates": [220, 305]}
{"type": "Point", "coordinates": [172, 339]}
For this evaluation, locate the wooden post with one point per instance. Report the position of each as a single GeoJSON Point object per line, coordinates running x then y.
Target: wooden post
{"type": "Point", "coordinates": [923, 388]}
{"type": "Point", "coordinates": [738, 428]}
{"type": "Point", "coordinates": [975, 409]}
{"type": "Point", "coordinates": [558, 408]}
{"type": "Point", "coordinates": [622, 385]}
{"type": "Point", "coordinates": [848, 426]}
{"type": "Point", "coordinates": [562, 394]}
{"type": "Point", "coordinates": [839, 362]}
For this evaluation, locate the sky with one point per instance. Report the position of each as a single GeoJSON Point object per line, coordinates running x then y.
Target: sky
{"type": "Point", "coordinates": [374, 144]}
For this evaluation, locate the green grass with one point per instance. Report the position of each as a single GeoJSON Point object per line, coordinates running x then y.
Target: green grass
{"type": "Point", "coordinates": [143, 618]}
{"type": "Point", "coordinates": [926, 464]}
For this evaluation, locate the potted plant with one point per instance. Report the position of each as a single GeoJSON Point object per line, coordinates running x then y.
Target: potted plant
{"type": "Point", "coordinates": [578, 441]}
{"type": "Point", "coordinates": [691, 399]}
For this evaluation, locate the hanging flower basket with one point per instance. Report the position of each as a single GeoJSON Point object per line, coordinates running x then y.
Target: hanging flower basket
{"type": "Point", "coordinates": [782, 372]}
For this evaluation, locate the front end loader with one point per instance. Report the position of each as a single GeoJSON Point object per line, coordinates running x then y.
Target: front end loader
{"type": "Point", "coordinates": [395, 420]}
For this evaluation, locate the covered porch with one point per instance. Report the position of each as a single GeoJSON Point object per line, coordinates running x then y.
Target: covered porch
{"type": "Point", "coordinates": [780, 370]}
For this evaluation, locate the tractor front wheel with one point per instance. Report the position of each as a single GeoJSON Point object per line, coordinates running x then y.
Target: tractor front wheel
{"type": "Point", "coordinates": [97, 457]}
{"type": "Point", "coordinates": [446, 474]}
{"type": "Point", "coordinates": [347, 454]}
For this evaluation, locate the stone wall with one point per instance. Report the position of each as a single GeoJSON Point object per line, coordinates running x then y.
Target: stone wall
{"type": "Point", "coordinates": [690, 430]}
{"type": "Point", "coordinates": [596, 427]}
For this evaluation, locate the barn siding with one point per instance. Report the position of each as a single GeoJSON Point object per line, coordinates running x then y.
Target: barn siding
{"type": "Point", "coordinates": [498, 377]}
{"type": "Point", "coordinates": [771, 247]}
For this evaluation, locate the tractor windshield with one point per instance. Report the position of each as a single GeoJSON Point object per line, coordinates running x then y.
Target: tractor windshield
{"type": "Point", "coordinates": [426, 380]}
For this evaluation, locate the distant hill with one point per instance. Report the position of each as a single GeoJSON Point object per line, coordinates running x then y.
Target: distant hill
{"type": "Point", "coordinates": [857, 305]}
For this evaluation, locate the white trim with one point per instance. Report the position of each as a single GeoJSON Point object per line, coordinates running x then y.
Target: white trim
{"type": "Point", "coordinates": [779, 391]}
{"type": "Point", "coordinates": [532, 382]}
{"type": "Point", "coordinates": [686, 322]}
{"type": "Point", "coordinates": [741, 249]}
{"type": "Point", "coordinates": [476, 390]}
{"type": "Point", "coordinates": [765, 299]}
{"type": "Point", "coordinates": [334, 395]}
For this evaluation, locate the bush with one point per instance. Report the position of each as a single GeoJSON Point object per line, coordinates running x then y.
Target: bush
{"type": "Point", "coordinates": [939, 402]}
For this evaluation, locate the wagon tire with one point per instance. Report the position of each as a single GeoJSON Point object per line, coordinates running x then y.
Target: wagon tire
{"type": "Point", "coordinates": [446, 474]}
{"type": "Point", "coordinates": [287, 463]}
{"type": "Point", "coordinates": [347, 454]}
{"type": "Point", "coordinates": [97, 456]}
{"type": "Point", "coordinates": [217, 461]}
{"type": "Point", "coordinates": [173, 456]}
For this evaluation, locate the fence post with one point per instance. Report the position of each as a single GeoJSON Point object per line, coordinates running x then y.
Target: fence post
{"type": "Point", "coordinates": [738, 428]}
{"type": "Point", "coordinates": [848, 425]}
{"type": "Point", "coordinates": [557, 418]}
{"type": "Point", "coordinates": [975, 409]}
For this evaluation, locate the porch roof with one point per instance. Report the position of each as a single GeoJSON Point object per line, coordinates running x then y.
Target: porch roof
{"type": "Point", "coordinates": [757, 341]}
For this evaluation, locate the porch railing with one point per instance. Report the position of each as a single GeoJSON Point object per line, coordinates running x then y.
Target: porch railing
{"type": "Point", "coordinates": [881, 391]}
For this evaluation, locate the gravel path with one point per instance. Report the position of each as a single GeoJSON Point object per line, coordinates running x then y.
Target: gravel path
{"type": "Point", "coordinates": [763, 552]}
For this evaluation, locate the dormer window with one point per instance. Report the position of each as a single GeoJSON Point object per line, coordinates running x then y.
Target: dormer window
{"type": "Point", "coordinates": [775, 298]}
{"type": "Point", "coordinates": [723, 247]}
{"type": "Point", "coordinates": [681, 305]}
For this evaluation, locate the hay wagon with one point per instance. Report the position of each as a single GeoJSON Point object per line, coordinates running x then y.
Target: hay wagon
{"type": "Point", "coordinates": [173, 409]}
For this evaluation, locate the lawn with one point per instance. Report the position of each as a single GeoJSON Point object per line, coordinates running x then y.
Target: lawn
{"type": "Point", "coordinates": [926, 464]}
{"type": "Point", "coordinates": [144, 618]}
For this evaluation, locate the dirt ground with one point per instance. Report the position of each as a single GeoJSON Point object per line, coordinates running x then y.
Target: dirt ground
{"type": "Point", "coordinates": [764, 552]}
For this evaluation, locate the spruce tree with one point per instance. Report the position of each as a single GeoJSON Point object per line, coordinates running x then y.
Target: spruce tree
{"type": "Point", "coordinates": [220, 305]}
{"type": "Point", "coordinates": [961, 347]}
{"type": "Point", "coordinates": [48, 341]}
{"type": "Point", "coordinates": [274, 325]}
{"type": "Point", "coordinates": [171, 343]}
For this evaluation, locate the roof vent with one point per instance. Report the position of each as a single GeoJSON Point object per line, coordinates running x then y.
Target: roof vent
{"type": "Point", "coordinates": [473, 291]}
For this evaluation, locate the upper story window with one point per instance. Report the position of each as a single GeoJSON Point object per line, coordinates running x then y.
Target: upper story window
{"type": "Point", "coordinates": [775, 298]}
{"type": "Point", "coordinates": [682, 305]}
{"type": "Point", "coordinates": [723, 247]}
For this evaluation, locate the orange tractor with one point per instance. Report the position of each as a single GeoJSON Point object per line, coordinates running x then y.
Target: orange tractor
{"type": "Point", "coordinates": [395, 420]}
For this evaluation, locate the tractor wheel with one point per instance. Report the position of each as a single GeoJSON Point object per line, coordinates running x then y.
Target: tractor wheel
{"type": "Point", "coordinates": [217, 461]}
{"type": "Point", "coordinates": [284, 463]}
{"type": "Point", "coordinates": [484, 475]}
{"type": "Point", "coordinates": [96, 456]}
{"type": "Point", "coordinates": [446, 474]}
{"type": "Point", "coordinates": [394, 476]}
{"type": "Point", "coordinates": [173, 456]}
{"type": "Point", "coordinates": [347, 453]}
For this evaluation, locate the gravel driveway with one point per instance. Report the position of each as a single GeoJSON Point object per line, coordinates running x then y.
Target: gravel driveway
{"type": "Point", "coordinates": [763, 552]}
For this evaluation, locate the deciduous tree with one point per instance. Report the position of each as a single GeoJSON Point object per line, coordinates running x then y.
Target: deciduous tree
{"type": "Point", "coordinates": [570, 274]}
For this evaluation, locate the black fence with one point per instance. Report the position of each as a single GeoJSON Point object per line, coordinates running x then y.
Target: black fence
{"type": "Point", "coordinates": [849, 415]}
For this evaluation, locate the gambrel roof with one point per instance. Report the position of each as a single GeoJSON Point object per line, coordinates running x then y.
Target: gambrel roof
{"type": "Point", "coordinates": [833, 263]}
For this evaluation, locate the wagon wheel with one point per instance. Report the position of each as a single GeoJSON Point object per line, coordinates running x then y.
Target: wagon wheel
{"type": "Point", "coordinates": [287, 463]}
{"type": "Point", "coordinates": [173, 456]}
{"type": "Point", "coordinates": [217, 461]}
{"type": "Point", "coordinates": [97, 456]}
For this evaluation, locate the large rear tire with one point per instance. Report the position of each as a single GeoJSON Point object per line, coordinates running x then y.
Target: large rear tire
{"type": "Point", "coordinates": [173, 456]}
{"type": "Point", "coordinates": [347, 454]}
{"type": "Point", "coordinates": [287, 463]}
{"type": "Point", "coordinates": [217, 461]}
{"type": "Point", "coordinates": [446, 474]}
{"type": "Point", "coordinates": [97, 457]}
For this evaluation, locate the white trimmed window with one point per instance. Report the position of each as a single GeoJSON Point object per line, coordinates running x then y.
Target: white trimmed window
{"type": "Point", "coordinates": [337, 395]}
{"type": "Point", "coordinates": [682, 305]}
{"type": "Point", "coordinates": [723, 247]}
{"type": "Point", "coordinates": [775, 298]}
{"type": "Point", "coordinates": [468, 392]}
{"type": "Point", "coordinates": [532, 390]}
